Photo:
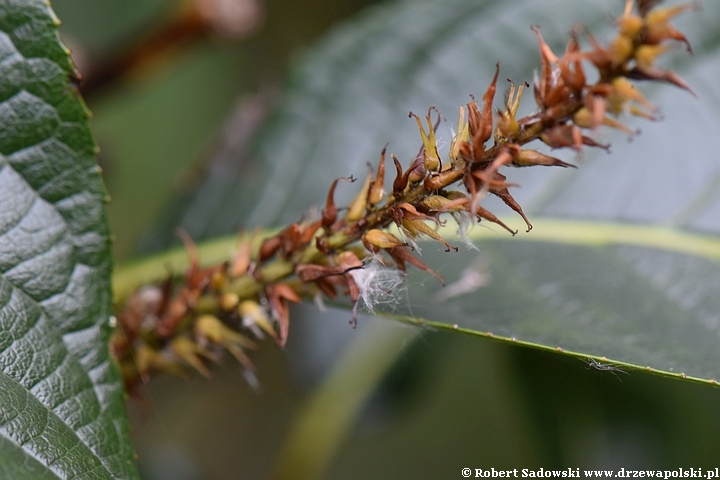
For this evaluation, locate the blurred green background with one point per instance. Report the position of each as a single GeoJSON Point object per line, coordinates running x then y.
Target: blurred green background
{"type": "Point", "coordinates": [448, 402]}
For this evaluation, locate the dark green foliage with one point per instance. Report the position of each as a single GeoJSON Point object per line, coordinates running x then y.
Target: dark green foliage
{"type": "Point", "coordinates": [61, 399]}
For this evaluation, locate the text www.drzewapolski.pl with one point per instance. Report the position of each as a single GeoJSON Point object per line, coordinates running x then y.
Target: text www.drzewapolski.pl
{"type": "Point", "coordinates": [578, 473]}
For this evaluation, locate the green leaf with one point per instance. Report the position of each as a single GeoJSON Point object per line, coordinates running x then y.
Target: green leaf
{"type": "Point", "coordinates": [643, 297]}
{"type": "Point", "coordinates": [629, 301]}
{"type": "Point", "coordinates": [61, 398]}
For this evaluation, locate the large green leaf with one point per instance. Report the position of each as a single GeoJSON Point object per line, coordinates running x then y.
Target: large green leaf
{"type": "Point", "coordinates": [643, 297]}
{"type": "Point", "coordinates": [633, 300]}
{"type": "Point", "coordinates": [61, 398]}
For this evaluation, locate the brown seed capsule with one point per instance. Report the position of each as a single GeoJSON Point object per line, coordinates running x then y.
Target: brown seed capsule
{"type": "Point", "coordinates": [210, 328]}
{"type": "Point", "coordinates": [329, 213]}
{"type": "Point", "coordinates": [213, 329]}
{"type": "Point", "coordinates": [322, 245]}
{"type": "Point", "coordinates": [278, 295]}
{"type": "Point", "coordinates": [327, 286]}
{"type": "Point", "coordinates": [624, 91]}
{"type": "Point", "coordinates": [269, 247]}
{"type": "Point", "coordinates": [290, 240]}
{"type": "Point", "coordinates": [490, 217]}
{"type": "Point", "coordinates": [190, 352]}
{"type": "Point", "coordinates": [195, 277]}
{"type": "Point", "coordinates": [574, 78]}
{"type": "Point", "coordinates": [621, 49]}
{"type": "Point", "coordinates": [584, 118]}
{"type": "Point", "coordinates": [377, 189]}
{"type": "Point", "coordinates": [460, 139]}
{"type": "Point", "coordinates": [656, 73]}
{"type": "Point", "coordinates": [178, 308]}
{"type": "Point", "coordinates": [218, 277]}
{"type": "Point", "coordinates": [401, 180]}
{"type": "Point", "coordinates": [416, 171]}
{"type": "Point", "coordinates": [357, 208]}
{"type": "Point", "coordinates": [406, 211]}
{"type": "Point", "coordinates": [241, 259]}
{"type": "Point", "coordinates": [349, 261]}
{"type": "Point", "coordinates": [481, 124]}
{"type": "Point", "coordinates": [508, 126]}
{"type": "Point", "coordinates": [251, 312]}
{"type": "Point", "coordinates": [380, 239]}
{"type": "Point", "coordinates": [436, 203]}
{"type": "Point", "coordinates": [505, 196]}
{"type": "Point", "coordinates": [529, 158]}
{"type": "Point", "coordinates": [431, 159]}
{"type": "Point", "coordinates": [442, 179]}
{"type": "Point", "coordinates": [645, 55]}
{"type": "Point", "coordinates": [310, 272]}
{"type": "Point", "coordinates": [416, 227]}
{"type": "Point", "coordinates": [308, 232]}
{"type": "Point", "coordinates": [659, 28]}
{"type": "Point", "coordinates": [630, 24]}
{"type": "Point", "coordinates": [228, 301]}
{"type": "Point", "coordinates": [563, 136]}
{"type": "Point", "coordinates": [545, 84]}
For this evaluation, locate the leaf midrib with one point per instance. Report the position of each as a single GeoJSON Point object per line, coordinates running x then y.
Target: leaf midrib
{"type": "Point", "coordinates": [131, 275]}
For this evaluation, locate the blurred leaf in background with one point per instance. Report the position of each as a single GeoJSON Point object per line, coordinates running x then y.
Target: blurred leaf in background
{"type": "Point", "coordinates": [464, 401]}
{"type": "Point", "coordinates": [160, 118]}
